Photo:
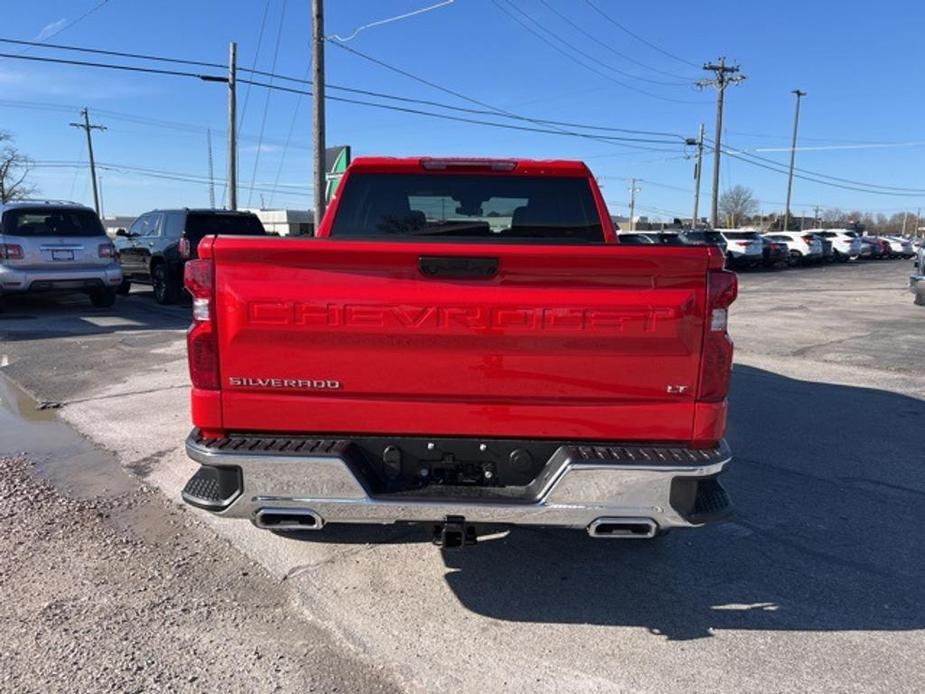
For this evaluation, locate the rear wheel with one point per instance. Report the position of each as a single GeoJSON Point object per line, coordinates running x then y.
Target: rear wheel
{"type": "Point", "coordinates": [166, 287]}
{"type": "Point", "coordinates": [795, 257]}
{"type": "Point", "coordinates": [103, 298]}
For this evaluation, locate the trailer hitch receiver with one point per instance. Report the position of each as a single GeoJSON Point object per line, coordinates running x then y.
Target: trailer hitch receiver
{"type": "Point", "coordinates": [454, 533]}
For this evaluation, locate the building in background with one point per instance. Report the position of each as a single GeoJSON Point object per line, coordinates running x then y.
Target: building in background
{"type": "Point", "coordinates": [286, 222]}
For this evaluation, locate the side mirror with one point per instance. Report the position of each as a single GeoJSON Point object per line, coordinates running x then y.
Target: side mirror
{"type": "Point", "coordinates": [121, 232]}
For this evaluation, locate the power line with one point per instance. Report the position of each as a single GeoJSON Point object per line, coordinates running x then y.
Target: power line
{"type": "Point", "coordinates": [247, 92]}
{"type": "Point", "coordinates": [638, 37]}
{"type": "Point", "coordinates": [609, 139]}
{"type": "Point", "coordinates": [624, 56]}
{"type": "Point", "coordinates": [169, 175]}
{"type": "Point", "coordinates": [486, 112]}
{"type": "Point", "coordinates": [679, 81]}
{"type": "Point", "coordinates": [365, 92]}
{"type": "Point", "coordinates": [266, 103]}
{"type": "Point", "coordinates": [282, 157]}
{"type": "Point", "coordinates": [109, 66]}
{"type": "Point", "coordinates": [497, 3]}
{"type": "Point", "coordinates": [735, 155]}
{"type": "Point", "coordinates": [452, 92]}
{"type": "Point", "coordinates": [118, 54]}
{"type": "Point", "coordinates": [862, 184]}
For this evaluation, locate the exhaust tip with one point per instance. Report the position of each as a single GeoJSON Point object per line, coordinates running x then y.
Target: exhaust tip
{"type": "Point", "coordinates": [288, 519]}
{"type": "Point", "coordinates": [623, 528]}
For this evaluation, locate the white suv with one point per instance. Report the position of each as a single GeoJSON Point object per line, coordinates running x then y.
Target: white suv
{"type": "Point", "coordinates": [900, 247]}
{"type": "Point", "coordinates": [846, 244]}
{"type": "Point", "coordinates": [48, 245]}
{"type": "Point", "coordinates": [804, 246]}
{"type": "Point", "coordinates": [744, 247]}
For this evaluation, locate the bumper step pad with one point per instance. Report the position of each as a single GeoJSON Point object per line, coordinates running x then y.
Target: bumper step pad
{"type": "Point", "coordinates": [712, 502]}
{"type": "Point", "coordinates": [213, 488]}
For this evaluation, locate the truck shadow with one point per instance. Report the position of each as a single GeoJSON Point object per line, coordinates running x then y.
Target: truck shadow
{"type": "Point", "coordinates": [829, 487]}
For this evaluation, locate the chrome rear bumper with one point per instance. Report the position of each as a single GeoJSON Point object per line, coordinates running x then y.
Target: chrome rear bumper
{"type": "Point", "coordinates": [581, 486]}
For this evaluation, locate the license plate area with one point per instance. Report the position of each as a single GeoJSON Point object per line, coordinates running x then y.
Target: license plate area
{"type": "Point", "coordinates": [62, 255]}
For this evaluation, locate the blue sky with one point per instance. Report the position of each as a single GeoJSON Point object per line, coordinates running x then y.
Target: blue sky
{"type": "Point", "coordinates": [860, 63]}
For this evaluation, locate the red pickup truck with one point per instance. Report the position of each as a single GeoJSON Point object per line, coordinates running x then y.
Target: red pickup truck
{"type": "Point", "coordinates": [463, 342]}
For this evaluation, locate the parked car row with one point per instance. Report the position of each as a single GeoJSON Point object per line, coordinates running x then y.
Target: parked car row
{"type": "Point", "coordinates": [56, 245]}
{"type": "Point", "coordinates": [749, 248]}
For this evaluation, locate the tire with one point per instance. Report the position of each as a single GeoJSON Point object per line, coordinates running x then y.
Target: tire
{"type": "Point", "coordinates": [795, 258]}
{"type": "Point", "coordinates": [166, 287]}
{"type": "Point", "coordinates": [124, 288]}
{"type": "Point", "coordinates": [103, 298]}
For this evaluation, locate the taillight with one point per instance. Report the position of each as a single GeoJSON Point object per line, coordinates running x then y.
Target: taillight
{"type": "Point", "coordinates": [716, 362]}
{"type": "Point", "coordinates": [107, 250]}
{"type": "Point", "coordinates": [201, 342]}
{"type": "Point", "coordinates": [10, 251]}
{"type": "Point", "coordinates": [183, 248]}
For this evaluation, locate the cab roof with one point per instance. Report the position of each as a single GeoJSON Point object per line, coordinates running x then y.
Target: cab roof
{"type": "Point", "coordinates": [512, 166]}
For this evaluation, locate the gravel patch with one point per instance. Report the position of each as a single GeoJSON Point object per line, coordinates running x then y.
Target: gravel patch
{"type": "Point", "coordinates": [133, 594]}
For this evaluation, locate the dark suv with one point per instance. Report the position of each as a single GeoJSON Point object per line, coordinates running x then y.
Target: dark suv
{"type": "Point", "coordinates": [156, 246]}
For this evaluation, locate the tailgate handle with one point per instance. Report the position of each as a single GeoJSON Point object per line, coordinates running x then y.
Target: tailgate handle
{"type": "Point", "coordinates": [456, 266]}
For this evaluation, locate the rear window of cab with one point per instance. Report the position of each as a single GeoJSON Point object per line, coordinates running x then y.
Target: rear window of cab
{"type": "Point", "coordinates": [477, 207]}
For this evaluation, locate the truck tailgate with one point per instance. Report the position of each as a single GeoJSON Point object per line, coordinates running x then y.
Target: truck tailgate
{"type": "Point", "coordinates": [566, 342]}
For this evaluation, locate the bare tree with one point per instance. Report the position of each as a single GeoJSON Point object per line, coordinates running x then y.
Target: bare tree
{"type": "Point", "coordinates": [14, 169]}
{"type": "Point", "coordinates": [736, 204]}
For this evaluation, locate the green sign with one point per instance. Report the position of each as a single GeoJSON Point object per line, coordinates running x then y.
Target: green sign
{"type": "Point", "coordinates": [336, 160]}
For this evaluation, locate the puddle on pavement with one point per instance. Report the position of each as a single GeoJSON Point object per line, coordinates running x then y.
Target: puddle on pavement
{"type": "Point", "coordinates": [61, 455]}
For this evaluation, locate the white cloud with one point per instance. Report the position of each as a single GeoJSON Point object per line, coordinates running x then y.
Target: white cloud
{"type": "Point", "coordinates": [51, 29]}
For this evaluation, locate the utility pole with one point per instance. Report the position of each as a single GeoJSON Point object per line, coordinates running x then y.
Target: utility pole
{"type": "Point", "coordinates": [102, 206]}
{"type": "Point", "coordinates": [905, 215]}
{"type": "Point", "coordinates": [816, 217]}
{"type": "Point", "coordinates": [793, 153]}
{"type": "Point", "coordinates": [211, 170]}
{"type": "Point", "coordinates": [698, 167]}
{"type": "Point", "coordinates": [633, 191]}
{"type": "Point", "coordinates": [320, 190]}
{"type": "Point", "coordinates": [724, 75]}
{"type": "Point", "coordinates": [86, 126]}
{"type": "Point", "coordinates": [232, 127]}
{"type": "Point", "coordinates": [918, 220]}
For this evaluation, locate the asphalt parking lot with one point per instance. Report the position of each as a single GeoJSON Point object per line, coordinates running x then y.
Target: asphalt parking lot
{"type": "Point", "coordinates": [817, 585]}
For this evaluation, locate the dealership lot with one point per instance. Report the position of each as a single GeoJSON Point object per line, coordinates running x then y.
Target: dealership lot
{"type": "Point", "coordinates": [817, 584]}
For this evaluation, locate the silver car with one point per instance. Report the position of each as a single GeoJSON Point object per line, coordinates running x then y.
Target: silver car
{"type": "Point", "coordinates": [51, 245]}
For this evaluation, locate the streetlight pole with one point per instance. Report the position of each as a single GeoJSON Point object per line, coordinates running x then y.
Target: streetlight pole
{"type": "Point", "coordinates": [232, 127]}
{"type": "Point", "coordinates": [698, 168]}
{"type": "Point", "coordinates": [633, 191]}
{"type": "Point", "coordinates": [320, 188]}
{"type": "Point", "coordinates": [793, 153]}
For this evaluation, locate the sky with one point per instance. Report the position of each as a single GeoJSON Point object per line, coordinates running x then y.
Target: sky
{"type": "Point", "coordinates": [860, 64]}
